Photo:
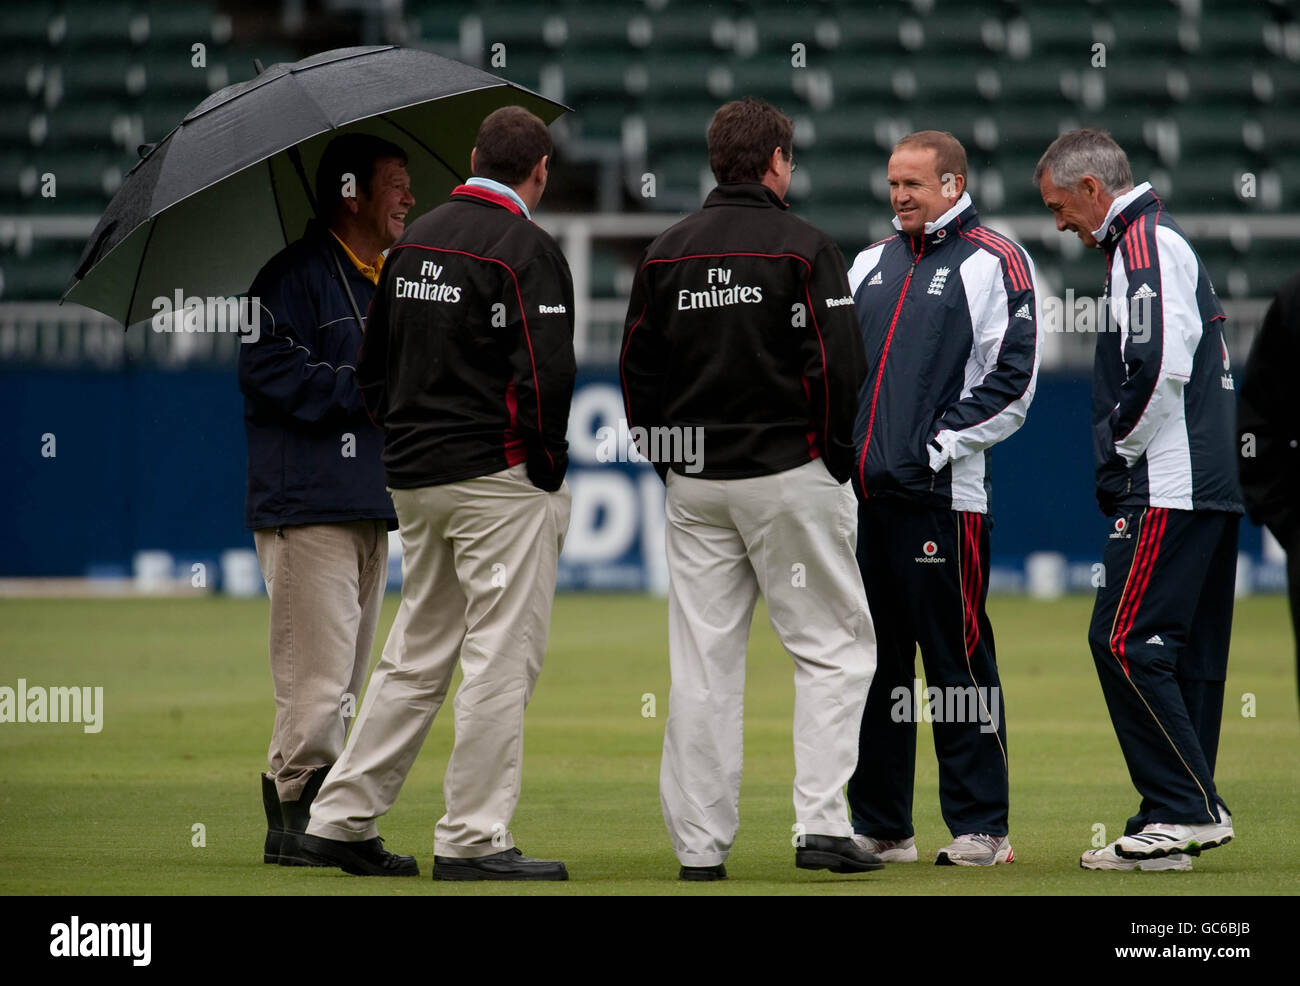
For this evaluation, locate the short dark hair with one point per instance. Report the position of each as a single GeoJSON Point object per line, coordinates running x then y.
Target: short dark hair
{"type": "Point", "coordinates": [349, 154]}
{"type": "Point", "coordinates": [509, 144]}
{"type": "Point", "coordinates": [742, 136]}
{"type": "Point", "coordinates": [949, 155]}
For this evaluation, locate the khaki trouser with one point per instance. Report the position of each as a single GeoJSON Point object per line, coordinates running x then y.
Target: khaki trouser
{"type": "Point", "coordinates": [790, 535]}
{"type": "Point", "coordinates": [478, 581]}
{"type": "Point", "coordinates": [326, 583]}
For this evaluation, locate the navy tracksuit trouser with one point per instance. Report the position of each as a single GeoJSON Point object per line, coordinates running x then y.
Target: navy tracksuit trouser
{"type": "Point", "coordinates": [926, 575]}
{"type": "Point", "coordinates": [1159, 636]}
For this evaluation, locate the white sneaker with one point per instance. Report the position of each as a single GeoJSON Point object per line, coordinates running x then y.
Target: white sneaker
{"type": "Point", "coordinates": [888, 850]}
{"type": "Point", "coordinates": [1108, 859]}
{"type": "Point", "coordinates": [1162, 839]}
{"type": "Point", "coordinates": [976, 850]}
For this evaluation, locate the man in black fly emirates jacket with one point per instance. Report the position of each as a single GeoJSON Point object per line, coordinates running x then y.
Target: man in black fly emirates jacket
{"type": "Point", "coordinates": [468, 366]}
{"type": "Point", "coordinates": [741, 363]}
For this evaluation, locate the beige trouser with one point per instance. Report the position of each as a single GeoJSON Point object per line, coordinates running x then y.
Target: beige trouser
{"type": "Point", "coordinates": [326, 583]}
{"type": "Point", "coordinates": [478, 580]}
{"type": "Point", "coordinates": [790, 535]}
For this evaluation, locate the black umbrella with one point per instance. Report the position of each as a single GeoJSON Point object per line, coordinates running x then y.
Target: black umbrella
{"type": "Point", "coordinates": [226, 189]}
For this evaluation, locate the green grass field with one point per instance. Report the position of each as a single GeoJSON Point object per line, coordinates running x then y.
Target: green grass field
{"type": "Point", "coordinates": [188, 709]}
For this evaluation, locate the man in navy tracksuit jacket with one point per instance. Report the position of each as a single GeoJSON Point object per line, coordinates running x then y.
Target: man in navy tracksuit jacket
{"type": "Point", "coordinates": [1163, 416]}
{"type": "Point", "coordinates": [316, 502]}
{"type": "Point", "coordinates": [950, 321]}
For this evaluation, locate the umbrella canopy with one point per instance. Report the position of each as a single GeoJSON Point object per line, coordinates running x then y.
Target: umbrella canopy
{"type": "Point", "coordinates": [219, 195]}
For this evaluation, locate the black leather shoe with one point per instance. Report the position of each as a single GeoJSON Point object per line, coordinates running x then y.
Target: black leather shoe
{"type": "Point", "coordinates": [368, 858]}
{"type": "Point", "coordinates": [702, 873]}
{"type": "Point", "coordinates": [509, 865]}
{"type": "Point", "coordinates": [836, 853]}
{"type": "Point", "coordinates": [294, 817]}
{"type": "Point", "coordinates": [274, 823]}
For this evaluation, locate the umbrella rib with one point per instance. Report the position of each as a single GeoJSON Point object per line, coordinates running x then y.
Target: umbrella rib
{"type": "Point", "coordinates": [135, 285]}
{"type": "Point", "coordinates": [432, 153]}
{"type": "Point", "coordinates": [275, 197]}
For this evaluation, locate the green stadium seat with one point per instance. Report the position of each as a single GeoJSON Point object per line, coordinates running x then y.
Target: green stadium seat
{"type": "Point", "coordinates": [1281, 129]}
{"type": "Point", "coordinates": [1210, 184]}
{"type": "Point", "coordinates": [520, 28]}
{"type": "Point", "coordinates": [1240, 82]}
{"type": "Point", "coordinates": [21, 78]}
{"type": "Point", "coordinates": [85, 125]}
{"type": "Point", "coordinates": [1288, 171]}
{"type": "Point", "coordinates": [439, 21]}
{"type": "Point", "coordinates": [41, 275]}
{"type": "Point", "coordinates": [757, 77]}
{"type": "Point", "coordinates": [93, 74]}
{"type": "Point", "coordinates": [591, 76]}
{"type": "Point", "coordinates": [1235, 30]}
{"type": "Point", "coordinates": [872, 33]}
{"type": "Point", "coordinates": [1067, 29]}
{"type": "Point", "coordinates": [1146, 31]}
{"type": "Point", "coordinates": [604, 271]}
{"type": "Point", "coordinates": [176, 77]}
{"type": "Point", "coordinates": [683, 77]}
{"type": "Point", "coordinates": [857, 78]}
{"type": "Point", "coordinates": [837, 176]}
{"type": "Point", "coordinates": [845, 127]}
{"type": "Point", "coordinates": [961, 29]}
{"type": "Point", "coordinates": [1030, 84]}
{"type": "Point", "coordinates": [27, 26]}
{"type": "Point", "coordinates": [680, 28]}
{"type": "Point", "coordinates": [599, 29]}
{"type": "Point", "coordinates": [600, 117]}
{"type": "Point", "coordinates": [779, 29]}
{"type": "Point", "coordinates": [179, 25]}
{"type": "Point", "coordinates": [680, 178]}
{"type": "Point", "coordinates": [684, 127]}
{"type": "Point", "coordinates": [100, 25]}
{"type": "Point", "coordinates": [1150, 82]}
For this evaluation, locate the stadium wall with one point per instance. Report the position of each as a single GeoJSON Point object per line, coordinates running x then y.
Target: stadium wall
{"type": "Point", "coordinates": [150, 459]}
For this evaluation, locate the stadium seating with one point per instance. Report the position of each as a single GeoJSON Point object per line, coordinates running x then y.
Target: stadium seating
{"type": "Point", "coordinates": [1200, 94]}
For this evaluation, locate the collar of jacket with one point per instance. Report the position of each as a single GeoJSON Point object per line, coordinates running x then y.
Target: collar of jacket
{"type": "Point", "coordinates": [486, 195]}
{"type": "Point", "coordinates": [318, 234]}
{"type": "Point", "coordinates": [947, 227]}
{"type": "Point", "coordinates": [1122, 212]}
{"type": "Point", "coordinates": [748, 193]}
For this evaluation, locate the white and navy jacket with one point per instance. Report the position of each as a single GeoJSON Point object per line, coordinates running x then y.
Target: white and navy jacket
{"type": "Point", "coordinates": [1163, 401]}
{"type": "Point", "coordinates": [951, 322]}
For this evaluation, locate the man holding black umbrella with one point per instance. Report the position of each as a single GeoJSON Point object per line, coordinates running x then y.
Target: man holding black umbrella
{"type": "Point", "coordinates": [468, 365]}
{"type": "Point", "coordinates": [316, 498]}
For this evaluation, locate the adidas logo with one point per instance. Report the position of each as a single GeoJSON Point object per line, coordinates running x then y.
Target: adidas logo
{"type": "Point", "coordinates": [875, 279]}
{"type": "Point", "coordinates": [1023, 312]}
{"type": "Point", "coordinates": [1155, 639]}
{"type": "Point", "coordinates": [1143, 292]}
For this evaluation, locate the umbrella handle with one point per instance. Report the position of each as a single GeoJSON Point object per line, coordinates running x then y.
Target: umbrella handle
{"type": "Point", "coordinates": [338, 265]}
{"type": "Point", "coordinates": [296, 159]}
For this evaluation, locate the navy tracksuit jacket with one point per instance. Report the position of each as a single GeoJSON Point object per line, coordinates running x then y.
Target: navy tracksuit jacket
{"type": "Point", "coordinates": [1164, 410]}
{"type": "Point", "coordinates": [950, 323]}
